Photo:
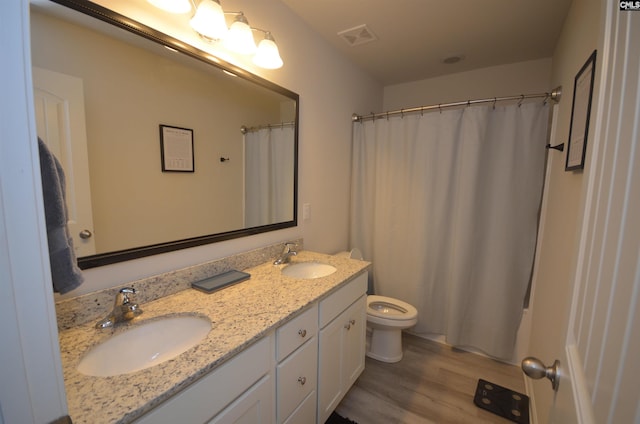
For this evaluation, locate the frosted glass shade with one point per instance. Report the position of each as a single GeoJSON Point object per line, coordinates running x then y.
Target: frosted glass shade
{"type": "Point", "coordinates": [268, 55]}
{"type": "Point", "coordinates": [240, 37]}
{"type": "Point", "coordinates": [172, 6]}
{"type": "Point", "coordinates": [209, 20]}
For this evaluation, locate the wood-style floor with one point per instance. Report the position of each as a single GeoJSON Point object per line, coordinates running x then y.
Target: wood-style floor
{"type": "Point", "coordinates": [433, 383]}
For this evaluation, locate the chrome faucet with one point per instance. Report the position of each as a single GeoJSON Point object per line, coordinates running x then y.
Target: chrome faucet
{"type": "Point", "coordinates": [286, 254]}
{"type": "Point", "coordinates": [124, 309]}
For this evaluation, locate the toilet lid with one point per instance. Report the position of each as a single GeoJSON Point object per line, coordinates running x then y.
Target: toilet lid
{"type": "Point", "coordinates": [390, 308]}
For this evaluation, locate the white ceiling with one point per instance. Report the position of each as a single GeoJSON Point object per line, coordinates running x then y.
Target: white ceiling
{"type": "Point", "coordinates": [414, 36]}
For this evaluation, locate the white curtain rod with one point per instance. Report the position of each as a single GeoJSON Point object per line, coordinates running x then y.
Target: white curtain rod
{"type": "Point", "coordinates": [554, 95]}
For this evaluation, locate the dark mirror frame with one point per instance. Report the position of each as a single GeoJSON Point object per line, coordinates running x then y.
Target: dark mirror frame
{"type": "Point", "coordinates": [96, 11]}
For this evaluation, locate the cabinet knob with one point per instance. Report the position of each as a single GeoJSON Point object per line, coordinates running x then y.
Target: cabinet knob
{"type": "Point", "coordinates": [350, 323]}
{"type": "Point", "coordinates": [302, 332]}
{"type": "Point", "coordinates": [302, 380]}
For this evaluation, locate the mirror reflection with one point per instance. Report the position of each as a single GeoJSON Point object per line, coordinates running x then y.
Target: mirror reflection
{"type": "Point", "coordinates": [161, 150]}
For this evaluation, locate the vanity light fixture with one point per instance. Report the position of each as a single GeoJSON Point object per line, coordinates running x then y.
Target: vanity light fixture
{"type": "Point", "coordinates": [209, 22]}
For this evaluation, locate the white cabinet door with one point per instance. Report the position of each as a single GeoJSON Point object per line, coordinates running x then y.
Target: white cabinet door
{"type": "Point", "coordinates": [330, 368]}
{"type": "Point", "coordinates": [355, 342]}
{"type": "Point", "coordinates": [255, 406]}
{"type": "Point", "coordinates": [341, 356]}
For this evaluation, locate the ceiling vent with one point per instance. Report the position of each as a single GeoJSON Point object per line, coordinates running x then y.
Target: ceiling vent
{"type": "Point", "coordinates": [357, 35]}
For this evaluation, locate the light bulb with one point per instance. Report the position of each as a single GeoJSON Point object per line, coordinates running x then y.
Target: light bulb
{"type": "Point", "coordinates": [240, 38]}
{"type": "Point", "coordinates": [268, 55]}
{"type": "Point", "coordinates": [209, 20]}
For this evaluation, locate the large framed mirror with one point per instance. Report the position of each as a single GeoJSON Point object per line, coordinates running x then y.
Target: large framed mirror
{"type": "Point", "coordinates": [164, 146]}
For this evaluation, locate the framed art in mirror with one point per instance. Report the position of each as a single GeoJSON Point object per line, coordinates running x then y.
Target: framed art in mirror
{"type": "Point", "coordinates": [176, 148]}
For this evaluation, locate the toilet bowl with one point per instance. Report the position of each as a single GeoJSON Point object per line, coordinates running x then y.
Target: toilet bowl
{"type": "Point", "coordinates": [386, 318]}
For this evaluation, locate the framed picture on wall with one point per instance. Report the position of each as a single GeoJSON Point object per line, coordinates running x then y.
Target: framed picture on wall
{"type": "Point", "coordinates": [580, 112]}
{"type": "Point", "coordinates": [176, 149]}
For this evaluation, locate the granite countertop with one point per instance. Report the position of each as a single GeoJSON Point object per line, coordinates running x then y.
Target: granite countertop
{"type": "Point", "coordinates": [240, 315]}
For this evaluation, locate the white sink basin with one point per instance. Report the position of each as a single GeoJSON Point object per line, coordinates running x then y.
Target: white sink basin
{"type": "Point", "coordinates": [308, 270]}
{"type": "Point", "coordinates": [145, 345]}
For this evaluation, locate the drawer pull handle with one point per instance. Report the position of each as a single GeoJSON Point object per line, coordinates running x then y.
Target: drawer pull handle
{"type": "Point", "coordinates": [302, 332]}
{"type": "Point", "coordinates": [302, 380]}
{"type": "Point", "coordinates": [351, 322]}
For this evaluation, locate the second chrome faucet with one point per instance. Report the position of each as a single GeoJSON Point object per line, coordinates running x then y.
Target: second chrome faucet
{"type": "Point", "coordinates": [287, 253]}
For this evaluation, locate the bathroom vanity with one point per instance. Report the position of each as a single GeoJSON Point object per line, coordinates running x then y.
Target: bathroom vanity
{"type": "Point", "coordinates": [280, 349]}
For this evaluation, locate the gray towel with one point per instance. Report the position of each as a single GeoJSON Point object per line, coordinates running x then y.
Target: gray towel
{"type": "Point", "coordinates": [64, 268]}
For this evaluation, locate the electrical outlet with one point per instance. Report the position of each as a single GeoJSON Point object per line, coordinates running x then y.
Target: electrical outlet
{"type": "Point", "coordinates": [306, 211]}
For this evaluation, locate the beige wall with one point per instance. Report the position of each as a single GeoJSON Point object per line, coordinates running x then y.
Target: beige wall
{"type": "Point", "coordinates": [559, 239]}
{"type": "Point", "coordinates": [532, 76]}
{"type": "Point", "coordinates": [330, 90]}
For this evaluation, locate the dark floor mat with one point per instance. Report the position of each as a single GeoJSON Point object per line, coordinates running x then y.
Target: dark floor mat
{"type": "Point", "coordinates": [501, 401]}
{"type": "Point", "coordinates": [337, 419]}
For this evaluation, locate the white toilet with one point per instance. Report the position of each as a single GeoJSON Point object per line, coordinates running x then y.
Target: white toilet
{"type": "Point", "coordinates": [386, 318]}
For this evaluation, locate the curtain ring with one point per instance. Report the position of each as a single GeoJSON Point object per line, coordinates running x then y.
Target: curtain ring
{"type": "Point", "coordinates": [521, 100]}
{"type": "Point", "coordinates": [468, 103]}
{"type": "Point", "coordinates": [402, 113]}
{"type": "Point", "coordinates": [546, 97]}
{"type": "Point", "coordinates": [421, 111]}
{"type": "Point", "coordinates": [387, 115]}
{"type": "Point", "coordinates": [495, 99]}
{"type": "Point", "coordinates": [440, 107]}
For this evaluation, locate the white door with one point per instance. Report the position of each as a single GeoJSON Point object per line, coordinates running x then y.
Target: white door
{"type": "Point", "coordinates": [60, 121]}
{"type": "Point", "coordinates": [599, 368]}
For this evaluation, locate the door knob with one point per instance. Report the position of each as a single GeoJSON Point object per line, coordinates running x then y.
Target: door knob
{"type": "Point", "coordinates": [85, 234]}
{"type": "Point", "coordinates": [535, 368]}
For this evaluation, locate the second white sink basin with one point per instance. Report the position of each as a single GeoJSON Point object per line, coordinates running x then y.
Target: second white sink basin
{"type": "Point", "coordinates": [308, 270]}
{"type": "Point", "coordinates": [145, 345]}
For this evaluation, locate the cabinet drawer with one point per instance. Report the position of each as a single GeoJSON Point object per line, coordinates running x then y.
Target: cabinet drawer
{"type": "Point", "coordinates": [297, 331]}
{"type": "Point", "coordinates": [305, 413]}
{"type": "Point", "coordinates": [296, 378]}
{"type": "Point", "coordinates": [337, 302]}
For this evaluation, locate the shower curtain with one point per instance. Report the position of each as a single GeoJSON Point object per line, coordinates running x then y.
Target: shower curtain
{"type": "Point", "coordinates": [446, 205]}
{"type": "Point", "coordinates": [269, 163]}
